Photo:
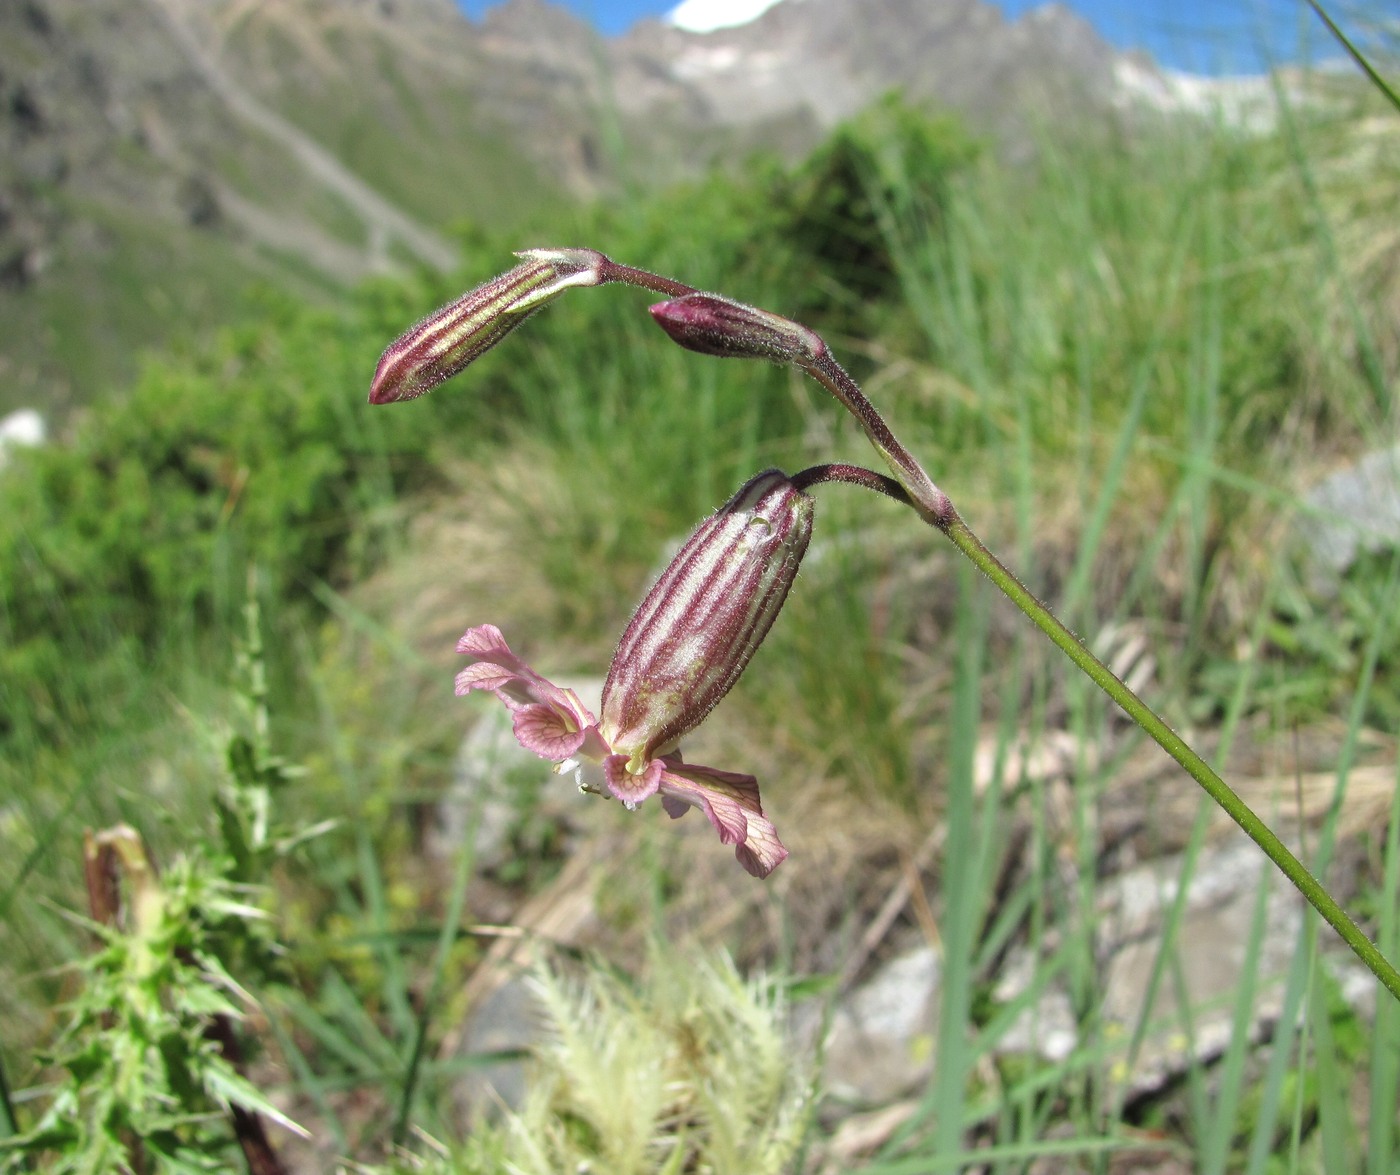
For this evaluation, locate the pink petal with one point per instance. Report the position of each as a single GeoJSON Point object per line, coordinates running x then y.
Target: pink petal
{"type": "Point", "coordinates": [675, 806]}
{"type": "Point", "coordinates": [515, 683]}
{"type": "Point", "coordinates": [485, 640]}
{"type": "Point", "coordinates": [731, 803]}
{"type": "Point", "coordinates": [482, 675]}
{"type": "Point", "coordinates": [721, 810]}
{"type": "Point", "coordinates": [762, 851]}
{"type": "Point", "coordinates": [546, 732]}
{"type": "Point", "coordinates": [631, 789]}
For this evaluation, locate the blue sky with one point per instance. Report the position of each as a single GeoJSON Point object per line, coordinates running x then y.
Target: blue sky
{"type": "Point", "coordinates": [1202, 36]}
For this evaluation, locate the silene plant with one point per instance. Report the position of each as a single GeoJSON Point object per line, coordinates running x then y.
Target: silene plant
{"type": "Point", "coordinates": [697, 628]}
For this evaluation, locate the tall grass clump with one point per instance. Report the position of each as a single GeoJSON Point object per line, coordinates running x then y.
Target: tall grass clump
{"type": "Point", "coordinates": [1134, 351]}
{"type": "Point", "coordinates": [1146, 351]}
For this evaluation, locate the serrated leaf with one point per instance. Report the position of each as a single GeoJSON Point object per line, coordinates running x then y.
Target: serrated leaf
{"type": "Point", "coordinates": [224, 1084]}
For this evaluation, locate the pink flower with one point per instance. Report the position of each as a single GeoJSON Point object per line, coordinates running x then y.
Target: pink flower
{"type": "Point", "coordinates": [683, 650]}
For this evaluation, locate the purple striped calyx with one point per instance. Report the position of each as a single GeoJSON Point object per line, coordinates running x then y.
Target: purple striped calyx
{"type": "Point", "coordinates": [683, 650]}
{"type": "Point", "coordinates": [702, 621]}
{"type": "Point", "coordinates": [447, 340]}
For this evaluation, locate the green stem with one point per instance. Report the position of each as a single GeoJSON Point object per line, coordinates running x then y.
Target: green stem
{"type": "Point", "coordinates": [934, 506]}
{"type": "Point", "coordinates": [1199, 770]}
{"type": "Point", "coordinates": [9, 1123]}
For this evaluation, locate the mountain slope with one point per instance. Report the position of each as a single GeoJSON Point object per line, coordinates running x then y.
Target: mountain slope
{"type": "Point", "coordinates": [156, 156]}
{"type": "Point", "coordinates": [148, 171]}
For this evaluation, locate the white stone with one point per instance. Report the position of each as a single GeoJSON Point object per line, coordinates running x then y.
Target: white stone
{"type": "Point", "coordinates": [21, 429]}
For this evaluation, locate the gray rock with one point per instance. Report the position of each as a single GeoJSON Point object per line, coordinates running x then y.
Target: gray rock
{"type": "Point", "coordinates": [1356, 509]}
{"type": "Point", "coordinates": [508, 1022]}
{"type": "Point", "coordinates": [882, 1034]}
{"type": "Point", "coordinates": [1211, 952]}
{"type": "Point", "coordinates": [1358, 986]}
{"type": "Point", "coordinates": [1046, 1027]}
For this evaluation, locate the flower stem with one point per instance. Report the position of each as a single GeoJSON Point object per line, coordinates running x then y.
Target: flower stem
{"type": "Point", "coordinates": [931, 503]}
{"type": "Point", "coordinates": [1199, 770]}
{"type": "Point", "coordinates": [852, 475]}
{"type": "Point", "coordinates": [643, 279]}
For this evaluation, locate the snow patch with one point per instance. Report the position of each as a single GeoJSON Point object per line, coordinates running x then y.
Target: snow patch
{"type": "Point", "coordinates": [705, 16]}
{"type": "Point", "coordinates": [702, 61]}
{"type": "Point", "coordinates": [1248, 104]}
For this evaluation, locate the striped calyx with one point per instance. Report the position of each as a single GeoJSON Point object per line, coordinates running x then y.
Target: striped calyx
{"type": "Point", "coordinates": [692, 636]}
{"type": "Point", "coordinates": [715, 325]}
{"type": "Point", "coordinates": [446, 341]}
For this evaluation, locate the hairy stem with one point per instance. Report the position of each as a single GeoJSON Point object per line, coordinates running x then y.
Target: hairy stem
{"type": "Point", "coordinates": [852, 475]}
{"type": "Point", "coordinates": [931, 503]}
{"type": "Point", "coordinates": [613, 271]}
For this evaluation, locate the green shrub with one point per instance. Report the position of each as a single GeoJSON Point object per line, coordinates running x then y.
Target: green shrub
{"type": "Point", "coordinates": [254, 447]}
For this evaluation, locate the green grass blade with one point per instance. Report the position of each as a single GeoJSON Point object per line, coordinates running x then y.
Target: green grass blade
{"type": "Point", "coordinates": [1362, 61]}
{"type": "Point", "coordinates": [1385, 1038]}
{"type": "Point", "coordinates": [447, 938]}
{"type": "Point", "coordinates": [963, 905]}
{"type": "Point", "coordinates": [1229, 1080]}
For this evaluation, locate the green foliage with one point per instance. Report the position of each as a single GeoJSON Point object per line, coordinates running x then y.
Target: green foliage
{"type": "Point", "coordinates": [840, 211]}
{"type": "Point", "coordinates": [149, 1054]}
{"type": "Point", "coordinates": [1318, 647]}
{"type": "Point", "coordinates": [146, 1082]}
{"type": "Point", "coordinates": [128, 540]}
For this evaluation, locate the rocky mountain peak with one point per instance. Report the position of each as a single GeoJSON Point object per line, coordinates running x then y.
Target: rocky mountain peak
{"type": "Point", "coordinates": [823, 60]}
{"type": "Point", "coordinates": [541, 32]}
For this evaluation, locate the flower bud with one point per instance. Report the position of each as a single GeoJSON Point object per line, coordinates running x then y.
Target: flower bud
{"type": "Point", "coordinates": [445, 342]}
{"type": "Point", "coordinates": [713, 325]}
{"type": "Point", "coordinates": [692, 636]}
